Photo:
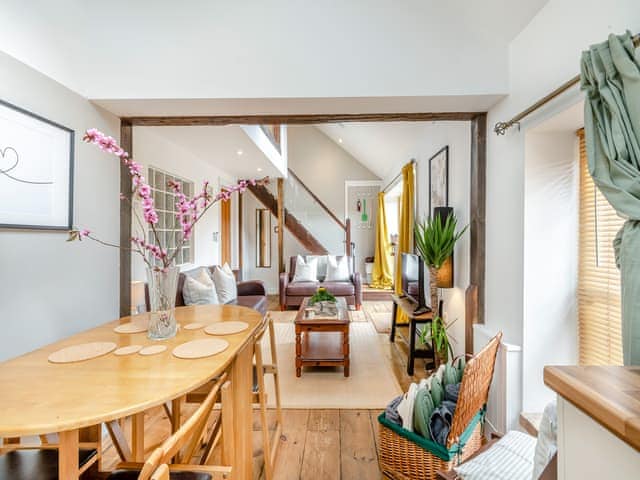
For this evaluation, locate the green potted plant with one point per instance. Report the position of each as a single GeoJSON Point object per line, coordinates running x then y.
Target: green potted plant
{"type": "Point", "coordinates": [321, 297]}
{"type": "Point", "coordinates": [435, 239]}
{"type": "Point", "coordinates": [438, 334]}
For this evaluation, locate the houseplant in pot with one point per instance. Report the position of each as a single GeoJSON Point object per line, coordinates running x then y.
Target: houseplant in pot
{"type": "Point", "coordinates": [162, 272]}
{"type": "Point", "coordinates": [435, 240]}
{"type": "Point", "coordinates": [437, 333]}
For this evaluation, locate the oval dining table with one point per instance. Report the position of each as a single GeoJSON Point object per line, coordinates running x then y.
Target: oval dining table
{"type": "Point", "coordinates": [38, 397]}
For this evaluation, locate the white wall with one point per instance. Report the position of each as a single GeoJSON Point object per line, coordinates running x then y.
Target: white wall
{"type": "Point", "coordinates": [550, 260]}
{"type": "Point", "coordinates": [458, 136]}
{"type": "Point", "coordinates": [542, 57]}
{"type": "Point", "coordinates": [51, 288]}
{"type": "Point", "coordinates": [150, 148]}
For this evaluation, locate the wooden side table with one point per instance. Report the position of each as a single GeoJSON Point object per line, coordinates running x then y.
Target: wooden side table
{"type": "Point", "coordinates": [414, 320]}
{"type": "Point", "coordinates": [322, 341]}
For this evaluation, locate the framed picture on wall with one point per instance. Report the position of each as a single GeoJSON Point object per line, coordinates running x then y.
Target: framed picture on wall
{"type": "Point", "coordinates": [36, 171]}
{"type": "Point", "coordinates": [439, 179]}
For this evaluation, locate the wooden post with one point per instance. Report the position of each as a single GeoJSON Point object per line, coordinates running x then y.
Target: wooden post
{"type": "Point", "coordinates": [347, 230]}
{"type": "Point", "coordinates": [126, 142]}
{"type": "Point", "coordinates": [240, 233]}
{"type": "Point", "coordinates": [281, 266]}
{"type": "Point", "coordinates": [477, 225]}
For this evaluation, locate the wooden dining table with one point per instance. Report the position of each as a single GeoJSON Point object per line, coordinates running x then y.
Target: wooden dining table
{"type": "Point", "coordinates": [38, 397]}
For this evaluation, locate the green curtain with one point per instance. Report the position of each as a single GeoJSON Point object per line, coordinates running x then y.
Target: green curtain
{"type": "Point", "coordinates": [611, 80]}
{"type": "Point", "coordinates": [381, 275]}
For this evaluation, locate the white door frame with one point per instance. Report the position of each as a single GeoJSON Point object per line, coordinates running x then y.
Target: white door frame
{"type": "Point", "coordinates": [356, 183]}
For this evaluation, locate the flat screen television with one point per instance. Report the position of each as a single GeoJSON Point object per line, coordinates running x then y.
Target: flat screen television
{"type": "Point", "coordinates": [413, 285]}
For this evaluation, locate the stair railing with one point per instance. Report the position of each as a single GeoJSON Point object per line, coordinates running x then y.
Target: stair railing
{"type": "Point", "coordinates": [344, 226]}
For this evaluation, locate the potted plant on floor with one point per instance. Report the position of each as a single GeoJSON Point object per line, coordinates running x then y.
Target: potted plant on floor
{"type": "Point", "coordinates": [435, 240]}
{"type": "Point", "coordinates": [438, 335]}
{"type": "Point", "coordinates": [162, 272]}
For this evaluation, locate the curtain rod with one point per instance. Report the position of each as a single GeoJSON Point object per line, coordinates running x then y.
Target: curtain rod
{"type": "Point", "coordinates": [502, 127]}
{"type": "Point", "coordinates": [395, 179]}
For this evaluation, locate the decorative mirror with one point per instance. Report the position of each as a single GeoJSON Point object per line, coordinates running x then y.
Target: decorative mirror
{"type": "Point", "coordinates": [263, 238]}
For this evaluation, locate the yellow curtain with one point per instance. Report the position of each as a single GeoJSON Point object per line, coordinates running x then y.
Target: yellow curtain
{"type": "Point", "coordinates": [405, 229]}
{"type": "Point", "coordinates": [381, 276]}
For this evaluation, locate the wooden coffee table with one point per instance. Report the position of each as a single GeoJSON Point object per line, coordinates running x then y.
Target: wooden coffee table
{"type": "Point", "coordinates": [322, 341]}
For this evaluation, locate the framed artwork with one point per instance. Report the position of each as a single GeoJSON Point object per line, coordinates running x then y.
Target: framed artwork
{"type": "Point", "coordinates": [439, 179]}
{"type": "Point", "coordinates": [36, 171]}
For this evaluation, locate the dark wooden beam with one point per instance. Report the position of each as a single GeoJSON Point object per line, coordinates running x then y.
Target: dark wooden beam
{"type": "Point", "coordinates": [241, 232]}
{"type": "Point", "coordinates": [297, 119]}
{"type": "Point", "coordinates": [477, 204]}
{"type": "Point", "coordinates": [126, 142]}
{"type": "Point", "coordinates": [281, 266]}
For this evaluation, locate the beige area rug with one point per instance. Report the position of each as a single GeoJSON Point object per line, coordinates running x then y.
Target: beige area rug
{"type": "Point", "coordinates": [381, 321]}
{"type": "Point", "coordinates": [371, 384]}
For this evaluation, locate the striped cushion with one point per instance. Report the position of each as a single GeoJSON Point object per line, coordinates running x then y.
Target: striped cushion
{"type": "Point", "coordinates": [511, 458]}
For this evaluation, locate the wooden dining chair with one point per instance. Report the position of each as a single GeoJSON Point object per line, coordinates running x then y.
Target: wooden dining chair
{"type": "Point", "coordinates": [260, 369]}
{"type": "Point", "coordinates": [188, 441]}
{"type": "Point", "coordinates": [269, 443]}
{"type": "Point", "coordinates": [28, 461]}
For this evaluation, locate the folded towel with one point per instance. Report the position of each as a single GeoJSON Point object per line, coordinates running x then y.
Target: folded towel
{"type": "Point", "coordinates": [437, 391]}
{"type": "Point", "coordinates": [391, 412]}
{"type": "Point", "coordinates": [450, 374]}
{"type": "Point", "coordinates": [440, 422]}
{"type": "Point", "coordinates": [451, 392]}
{"type": "Point", "coordinates": [422, 412]}
{"type": "Point", "coordinates": [405, 408]}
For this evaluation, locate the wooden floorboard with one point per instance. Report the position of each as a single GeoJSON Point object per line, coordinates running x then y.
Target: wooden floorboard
{"type": "Point", "coordinates": [358, 457]}
{"type": "Point", "coordinates": [314, 444]}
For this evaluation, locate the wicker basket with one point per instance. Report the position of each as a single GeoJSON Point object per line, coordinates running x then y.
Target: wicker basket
{"type": "Point", "coordinates": [406, 455]}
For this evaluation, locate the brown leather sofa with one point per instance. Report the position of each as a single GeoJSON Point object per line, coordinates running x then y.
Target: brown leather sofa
{"type": "Point", "coordinates": [251, 293]}
{"type": "Point", "coordinates": [292, 294]}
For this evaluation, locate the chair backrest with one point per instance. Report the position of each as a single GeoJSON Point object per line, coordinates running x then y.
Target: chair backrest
{"type": "Point", "coordinates": [474, 390]}
{"type": "Point", "coordinates": [187, 435]}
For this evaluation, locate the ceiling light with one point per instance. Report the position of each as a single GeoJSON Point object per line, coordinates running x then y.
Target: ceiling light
{"type": "Point", "coordinates": [239, 152]}
{"type": "Point", "coordinates": [339, 140]}
{"type": "Point", "coordinates": [259, 169]}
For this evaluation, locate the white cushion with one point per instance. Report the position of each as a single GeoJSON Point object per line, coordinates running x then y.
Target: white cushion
{"type": "Point", "coordinates": [225, 282]}
{"type": "Point", "coordinates": [511, 458]}
{"type": "Point", "coordinates": [306, 271]}
{"type": "Point", "coordinates": [547, 443]}
{"type": "Point", "coordinates": [199, 289]}
{"type": "Point", "coordinates": [337, 270]}
{"type": "Point", "coordinates": [322, 265]}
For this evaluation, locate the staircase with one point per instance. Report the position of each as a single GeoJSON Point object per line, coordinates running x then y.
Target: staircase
{"type": "Point", "coordinates": [291, 223]}
{"type": "Point", "coordinates": [307, 218]}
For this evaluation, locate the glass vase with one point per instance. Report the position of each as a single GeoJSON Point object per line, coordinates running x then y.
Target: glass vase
{"type": "Point", "coordinates": [163, 286]}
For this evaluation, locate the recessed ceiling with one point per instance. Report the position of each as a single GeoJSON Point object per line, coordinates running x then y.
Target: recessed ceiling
{"type": "Point", "coordinates": [220, 147]}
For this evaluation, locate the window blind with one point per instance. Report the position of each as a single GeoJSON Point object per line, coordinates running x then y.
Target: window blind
{"type": "Point", "coordinates": [599, 325]}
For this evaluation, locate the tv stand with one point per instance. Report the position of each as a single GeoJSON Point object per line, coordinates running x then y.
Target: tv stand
{"type": "Point", "coordinates": [408, 308]}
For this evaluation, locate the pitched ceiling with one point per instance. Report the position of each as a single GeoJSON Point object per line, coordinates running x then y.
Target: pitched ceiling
{"type": "Point", "coordinates": [205, 49]}
{"type": "Point", "coordinates": [384, 147]}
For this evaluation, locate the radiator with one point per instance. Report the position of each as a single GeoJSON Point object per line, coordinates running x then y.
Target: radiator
{"type": "Point", "coordinates": [505, 395]}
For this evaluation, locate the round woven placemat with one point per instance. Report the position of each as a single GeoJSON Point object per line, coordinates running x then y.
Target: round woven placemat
{"type": "Point", "coordinates": [128, 350]}
{"type": "Point", "coordinates": [131, 327]}
{"type": "Point", "coordinates": [205, 347]}
{"type": "Point", "coordinates": [193, 326]}
{"type": "Point", "coordinates": [152, 349]}
{"type": "Point", "coordinates": [226, 328]}
{"type": "Point", "coordinates": [81, 352]}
